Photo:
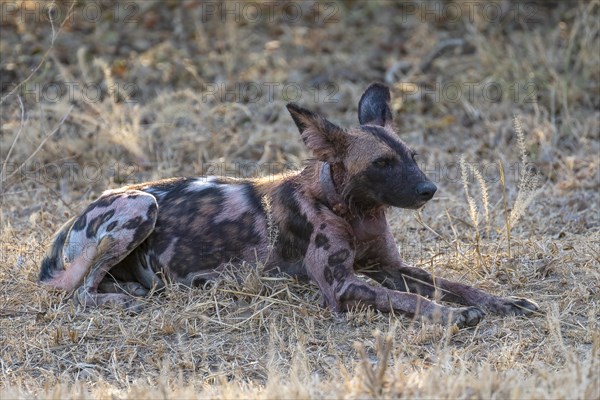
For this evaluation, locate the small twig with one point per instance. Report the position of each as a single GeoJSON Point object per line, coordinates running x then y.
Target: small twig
{"type": "Point", "coordinates": [52, 6]}
{"type": "Point", "coordinates": [419, 218]}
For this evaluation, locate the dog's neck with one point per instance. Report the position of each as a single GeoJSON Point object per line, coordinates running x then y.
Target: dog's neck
{"type": "Point", "coordinates": [333, 197]}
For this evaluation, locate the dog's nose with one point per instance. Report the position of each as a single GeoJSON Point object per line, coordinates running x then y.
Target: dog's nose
{"type": "Point", "coordinates": [426, 190]}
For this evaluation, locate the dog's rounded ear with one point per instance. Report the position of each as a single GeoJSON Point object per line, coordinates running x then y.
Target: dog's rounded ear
{"type": "Point", "coordinates": [325, 139]}
{"type": "Point", "coordinates": [374, 106]}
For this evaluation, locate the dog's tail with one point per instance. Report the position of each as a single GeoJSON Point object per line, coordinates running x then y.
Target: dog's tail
{"type": "Point", "coordinates": [53, 263]}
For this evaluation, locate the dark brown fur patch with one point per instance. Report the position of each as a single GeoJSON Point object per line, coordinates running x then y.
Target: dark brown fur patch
{"type": "Point", "coordinates": [359, 293]}
{"type": "Point", "coordinates": [51, 264]}
{"type": "Point", "coordinates": [94, 225]}
{"type": "Point", "coordinates": [322, 241]}
{"type": "Point", "coordinates": [111, 226]}
{"type": "Point", "coordinates": [216, 244]}
{"type": "Point", "coordinates": [251, 194]}
{"type": "Point", "coordinates": [328, 276]}
{"type": "Point", "coordinates": [340, 272]}
{"type": "Point", "coordinates": [152, 212]}
{"type": "Point", "coordinates": [133, 223]}
{"type": "Point", "coordinates": [144, 227]}
{"type": "Point", "coordinates": [103, 202]}
{"type": "Point", "coordinates": [164, 185]}
{"type": "Point", "coordinates": [142, 230]}
{"type": "Point", "coordinates": [295, 229]}
{"type": "Point", "coordinates": [338, 257]}
{"type": "Point", "coordinates": [80, 223]}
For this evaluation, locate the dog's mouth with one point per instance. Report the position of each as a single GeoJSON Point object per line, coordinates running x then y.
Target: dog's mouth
{"type": "Point", "coordinates": [417, 205]}
{"type": "Point", "coordinates": [369, 201]}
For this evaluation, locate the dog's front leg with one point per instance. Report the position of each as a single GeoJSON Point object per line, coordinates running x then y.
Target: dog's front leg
{"type": "Point", "coordinates": [331, 267]}
{"type": "Point", "coordinates": [388, 269]}
{"type": "Point", "coordinates": [355, 291]}
{"type": "Point", "coordinates": [422, 282]}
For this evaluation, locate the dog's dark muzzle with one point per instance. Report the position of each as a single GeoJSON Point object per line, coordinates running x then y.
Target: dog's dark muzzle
{"type": "Point", "coordinates": [425, 191]}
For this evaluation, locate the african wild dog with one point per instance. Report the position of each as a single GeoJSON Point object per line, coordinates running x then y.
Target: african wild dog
{"type": "Point", "coordinates": [330, 219]}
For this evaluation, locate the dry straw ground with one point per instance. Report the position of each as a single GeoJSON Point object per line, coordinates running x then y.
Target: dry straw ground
{"type": "Point", "coordinates": [268, 338]}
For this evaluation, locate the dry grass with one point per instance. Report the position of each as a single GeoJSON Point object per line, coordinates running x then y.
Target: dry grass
{"type": "Point", "coordinates": [257, 337]}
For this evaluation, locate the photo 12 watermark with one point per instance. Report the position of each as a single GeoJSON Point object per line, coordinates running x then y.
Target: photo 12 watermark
{"type": "Point", "coordinates": [43, 11]}
{"type": "Point", "coordinates": [71, 172]}
{"type": "Point", "coordinates": [88, 92]}
{"type": "Point", "coordinates": [253, 92]}
{"type": "Point", "coordinates": [258, 12]}
{"type": "Point", "coordinates": [285, 12]}
{"type": "Point", "coordinates": [470, 11]}
{"type": "Point", "coordinates": [482, 91]}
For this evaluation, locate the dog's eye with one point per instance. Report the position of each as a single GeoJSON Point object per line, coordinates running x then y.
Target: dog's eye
{"type": "Point", "coordinates": [383, 162]}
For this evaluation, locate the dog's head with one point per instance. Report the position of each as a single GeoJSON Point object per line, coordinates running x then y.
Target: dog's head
{"type": "Point", "coordinates": [378, 168]}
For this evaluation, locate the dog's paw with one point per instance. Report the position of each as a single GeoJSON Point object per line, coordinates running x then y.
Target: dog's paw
{"type": "Point", "coordinates": [82, 297]}
{"type": "Point", "coordinates": [513, 306]}
{"type": "Point", "coordinates": [467, 316]}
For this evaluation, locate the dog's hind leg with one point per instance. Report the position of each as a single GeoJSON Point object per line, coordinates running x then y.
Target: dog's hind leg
{"type": "Point", "coordinates": [102, 236]}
